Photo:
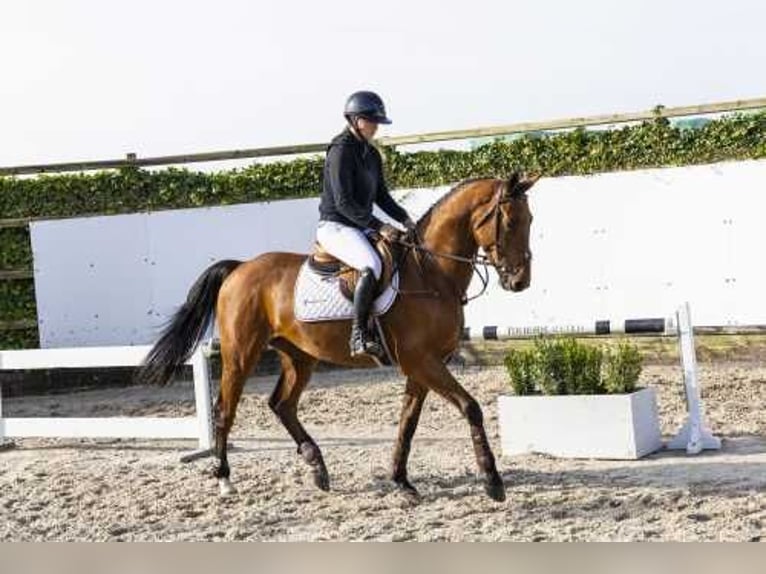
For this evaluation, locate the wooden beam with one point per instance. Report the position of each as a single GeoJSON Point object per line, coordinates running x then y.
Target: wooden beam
{"type": "Point", "coordinates": [577, 122]}
{"type": "Point", "coordinates": [11, 223]}
{"type": "Point", "coordinates": [568, 123]}
{"type": "Point", "coordinates": [133, 161]}
{"type": "Point", "coordinates": [12, 274]}
{"type": "Point", "coordinates": [18, 325]}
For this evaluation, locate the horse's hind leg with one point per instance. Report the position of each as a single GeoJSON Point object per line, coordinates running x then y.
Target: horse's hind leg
{"type": "Point", "coordinates": [414, 396]}
{"type": "Point", "coordinates": [237, 361]}
{"type": "Point", "coordinates": [297, 367]}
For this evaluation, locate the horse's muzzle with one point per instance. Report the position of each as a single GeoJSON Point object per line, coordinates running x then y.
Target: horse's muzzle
{"type": "Point", "coordinates": [515, 281]}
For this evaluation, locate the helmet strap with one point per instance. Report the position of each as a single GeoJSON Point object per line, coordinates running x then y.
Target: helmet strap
{"type": "Point", "coordinates": [351, 119]}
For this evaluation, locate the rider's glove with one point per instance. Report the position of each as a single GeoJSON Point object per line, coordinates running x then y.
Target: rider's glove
{"type": "Point", "coordinates": [389, 232]}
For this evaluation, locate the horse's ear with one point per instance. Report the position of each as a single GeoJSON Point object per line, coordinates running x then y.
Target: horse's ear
{"type": "Point", "coordinates": [513, 181]}
{"type": "Point", "coordinates": [520, 184]}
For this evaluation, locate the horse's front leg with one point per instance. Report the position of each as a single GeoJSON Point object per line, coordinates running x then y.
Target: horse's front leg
{"type": "Point", "coordinates": [414, 396]}
{"type": "Point", "coordinates": [433, 373]}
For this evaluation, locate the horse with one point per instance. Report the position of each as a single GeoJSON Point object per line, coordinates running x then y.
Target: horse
{"type": "Point", "coordinates": [252, 303]}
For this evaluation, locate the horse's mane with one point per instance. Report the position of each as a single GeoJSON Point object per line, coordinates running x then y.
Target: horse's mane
{"type": "Point", "coordinates": [424, 219]}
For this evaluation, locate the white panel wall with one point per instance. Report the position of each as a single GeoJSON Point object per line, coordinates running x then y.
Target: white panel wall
{"type": "Point", "coordinates": [93, 280]}
{"type": "Point", "coordinates": [115, 280]}
{"type": "Point", "coordinates": [636, 244]}
{"type": "Point", "coordinates": [610, 246]}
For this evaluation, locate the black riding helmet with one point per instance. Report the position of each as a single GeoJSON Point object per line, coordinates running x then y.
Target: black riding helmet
{"type": "Point", "coordinates": [368, 105]}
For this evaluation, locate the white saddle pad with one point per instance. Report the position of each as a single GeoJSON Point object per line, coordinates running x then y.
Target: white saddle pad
{"type": "Point", "coordinates": [318, 298]}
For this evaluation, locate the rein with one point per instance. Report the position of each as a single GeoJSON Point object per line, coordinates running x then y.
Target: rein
{"type": "Point", "coordinates": [477, 261]}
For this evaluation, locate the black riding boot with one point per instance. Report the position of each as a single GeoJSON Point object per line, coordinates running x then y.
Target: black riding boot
{"type": "Point", "coordinates": [361, 341]}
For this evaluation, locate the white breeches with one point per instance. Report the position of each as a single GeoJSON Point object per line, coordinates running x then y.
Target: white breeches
{"type": "Point", "coordinates": [349, 245]}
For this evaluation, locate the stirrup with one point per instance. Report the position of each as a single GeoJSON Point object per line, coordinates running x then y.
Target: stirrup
{"type": "Point", "coordinates": [363, 345]}
{"type": "Point", "coordinates": [374, 349]}
{"type": "Point", "coordinates": [371, 348]}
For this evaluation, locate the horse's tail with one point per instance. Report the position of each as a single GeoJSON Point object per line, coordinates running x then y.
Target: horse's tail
{"type": "Point", "coordinates": [187, 327]}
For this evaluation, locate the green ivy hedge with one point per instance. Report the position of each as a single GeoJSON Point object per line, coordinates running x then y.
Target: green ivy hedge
{"type": "Point", "coordinates": [19, 339]}
{"type": "Point", "coordinates": [132, 190]}
{"type": "Point", "coordinates": [655, 143]}
{"type": "Point", "coordinates": [650, 144]}
{"type": "Point", "coordinates": [17, 300]}
{"type": "Point", "coordinates": [15, 249]}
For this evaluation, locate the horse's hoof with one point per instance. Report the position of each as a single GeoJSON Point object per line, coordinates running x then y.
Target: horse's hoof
{"type": "Point", "coordinates": [406, 489]}
{"type": "Point", "coordinates": [321, 479]}
{"type": "Point", "coordinates": [226, 488]}
{"type": "Point", "coordinates": [495, 489]}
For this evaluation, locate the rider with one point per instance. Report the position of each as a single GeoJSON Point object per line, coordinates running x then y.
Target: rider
{"type": "Point", "coordinates": [352, 182]}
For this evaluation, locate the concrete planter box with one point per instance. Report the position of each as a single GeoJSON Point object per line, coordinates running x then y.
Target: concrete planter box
{"type": "Point", "coordinates": [581, 426]}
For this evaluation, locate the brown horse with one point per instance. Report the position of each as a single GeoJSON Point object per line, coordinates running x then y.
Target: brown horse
{"type": "Point", "coordinates": [253, 304]}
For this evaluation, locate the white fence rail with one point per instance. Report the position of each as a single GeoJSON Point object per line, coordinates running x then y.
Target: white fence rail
{"type": "Point", "coordinates": [197, 427]}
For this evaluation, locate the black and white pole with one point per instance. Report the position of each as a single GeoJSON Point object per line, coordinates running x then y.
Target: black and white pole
{"type": "Point", "coordinates": [694, 435]}
{"type": "Point", "coordinates": [656, 326]}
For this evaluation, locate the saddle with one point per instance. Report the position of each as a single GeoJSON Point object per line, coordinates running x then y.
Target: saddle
{"type": "Point", "coordinates": [328, 265]}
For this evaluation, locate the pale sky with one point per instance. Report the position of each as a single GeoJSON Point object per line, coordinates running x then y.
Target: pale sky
{"type": "Point", "coordinates": [96, 79]}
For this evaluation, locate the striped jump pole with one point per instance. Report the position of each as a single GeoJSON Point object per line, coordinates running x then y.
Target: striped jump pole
{"type": "Point", "coordinates": [656, 326]}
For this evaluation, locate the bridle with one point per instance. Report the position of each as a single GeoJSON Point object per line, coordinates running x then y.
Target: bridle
{"type": "Point", "coordinates": [480, 260]}
{"type": "Point", "coordinates": [496, 214]}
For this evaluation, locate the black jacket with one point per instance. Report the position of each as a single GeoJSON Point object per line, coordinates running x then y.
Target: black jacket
{"type": "Point", "coordinates": [352, 182]}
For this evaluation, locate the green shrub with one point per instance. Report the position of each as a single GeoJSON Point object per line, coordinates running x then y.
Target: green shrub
{"type": "Point", "coordinates": [622, 368]}
{"type": "Point", "coordinates": [550, 356]}
{"type": "Point", "coordinates": [522, 369]}
{"type": "Point", "coordinates": [565, 366]}
{"type": "Point", "coordinates": [583, 368]}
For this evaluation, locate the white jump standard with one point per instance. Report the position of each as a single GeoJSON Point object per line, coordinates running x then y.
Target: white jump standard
{"type": "Point", "coordinates": [694, 435]}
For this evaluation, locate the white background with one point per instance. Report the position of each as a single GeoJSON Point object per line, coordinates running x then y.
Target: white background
{"type": "Point", "coordinates": [96, 79]}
